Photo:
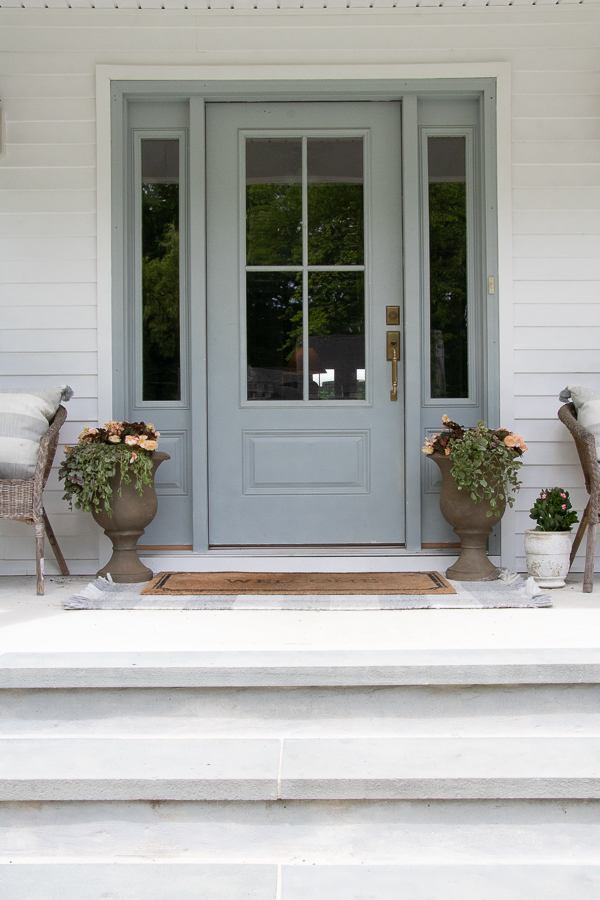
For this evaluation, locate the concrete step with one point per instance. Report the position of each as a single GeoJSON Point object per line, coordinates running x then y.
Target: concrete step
{"type": "Point", "coordinates": [303, 712]}
{"type": "Point", "coordinates": [398, 832]}
{"type": "Point", "coordinates": [188, 882]}
{"type": "Point", "coordinates": [321, 768]}
{"type": "Point", "coordinates": [296, 668]}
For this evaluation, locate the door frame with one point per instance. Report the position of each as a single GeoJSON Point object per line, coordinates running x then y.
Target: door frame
{"type": "Point", "coordinates": [489, 83]}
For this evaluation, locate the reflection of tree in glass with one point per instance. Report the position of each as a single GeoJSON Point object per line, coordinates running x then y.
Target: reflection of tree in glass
{"type": "Point", "coordinates": [274, 318]}
{"type": "Point", "coordinates": [273, 224]}
{"type": "Point", "coordinates": [336, 303]}
{"type": "Point", "coordinates": [335, 224]}
{"type": "Point", "coordinates": [160, 292]}
{"type": "Point", "coordinates": [448, 288]}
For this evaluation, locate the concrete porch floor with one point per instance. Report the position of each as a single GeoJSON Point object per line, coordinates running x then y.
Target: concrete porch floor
{"type": "Point", "coordinates": [29, 623]}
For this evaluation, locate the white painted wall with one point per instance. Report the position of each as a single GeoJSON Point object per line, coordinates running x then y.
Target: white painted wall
{"type": "Point", "coordinates": [48, 281]}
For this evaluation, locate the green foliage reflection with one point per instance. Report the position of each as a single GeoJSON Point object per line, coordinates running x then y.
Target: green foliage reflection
{"type": "Point", "coordinates": [273, 224]}
{"type": "Point", "coordinates": [335, 224]}
{"type": "Point", "coordinates": [448, 289]}
{"type": "Point", "coordinates": [160, 292]}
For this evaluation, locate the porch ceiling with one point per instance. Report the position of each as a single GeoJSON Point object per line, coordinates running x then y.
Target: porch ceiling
{"type": "Point", "coordinates": [273, 4]}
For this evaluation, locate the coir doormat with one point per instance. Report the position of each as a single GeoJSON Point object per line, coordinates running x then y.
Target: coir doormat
{"type": "Point", "coordinates": [237, 583]}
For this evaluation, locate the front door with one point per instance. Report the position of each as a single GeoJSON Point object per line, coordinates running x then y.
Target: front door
{"type": "Point", "coordinates": [304, 256]}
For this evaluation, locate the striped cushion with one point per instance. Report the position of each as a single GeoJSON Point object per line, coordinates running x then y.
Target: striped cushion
{"type": "Point", "coordinates": [24, 417]}
{"type": "Point", "coordinates": [587, 403]}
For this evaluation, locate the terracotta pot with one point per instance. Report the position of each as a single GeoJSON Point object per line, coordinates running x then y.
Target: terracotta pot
{"type": "Point", "coordinates": [131, 515]}
{"type": "Point", "coordinates": [548, 555]}
{"type": "Point", "coordinates": [472, 525]}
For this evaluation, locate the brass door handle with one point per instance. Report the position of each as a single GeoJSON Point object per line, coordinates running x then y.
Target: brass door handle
{"type": "Point", "coordinates": [392, 344]}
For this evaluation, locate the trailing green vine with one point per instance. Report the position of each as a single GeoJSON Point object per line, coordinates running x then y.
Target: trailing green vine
{"type": "Point", "coordinates": [486, 461]}
{"type": "Point", "coordinates": [121, 448]}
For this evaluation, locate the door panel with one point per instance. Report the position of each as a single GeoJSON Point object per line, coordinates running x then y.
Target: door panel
{"type": "Point", "coordinates": [304, 251]}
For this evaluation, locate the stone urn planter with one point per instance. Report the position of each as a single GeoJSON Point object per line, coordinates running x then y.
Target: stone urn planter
{"type": "Point", "coordinates": [548, 556]}
{"type": "Point", "coordinates": [132, 514]}
{"type": "Point", "coordinates": [472, 525]}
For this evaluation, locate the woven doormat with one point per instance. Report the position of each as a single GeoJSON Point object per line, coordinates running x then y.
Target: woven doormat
{"type": "Point", "coordinates": [511, 591]}
{"type": "Point", "coordinates": [237, 583]}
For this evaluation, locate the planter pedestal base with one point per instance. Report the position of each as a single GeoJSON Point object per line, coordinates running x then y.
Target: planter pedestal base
{"type": "Point", "coordinates": [125, 566]}
{"type": "Point", "coordinates": [471, 523]}
{"type": "Point", "coordinates": [132, 513]}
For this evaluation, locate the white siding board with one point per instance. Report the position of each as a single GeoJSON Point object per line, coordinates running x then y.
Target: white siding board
{"type": "Point", "coordinates": [49, 85]}
{"type": "Point", "coordinates": [40, 109]}
{"type": "Point", "coordinates": [559, 339]}
{"type": "Point", "coordinates": [582, 314]}
{"type": "Point", "coordinates": [552, 152]}
{"type": "Point", "coordinates": [43, 179]}
{"type": "Point", "coordinates": [558, 268]}
{"type": "Point", "coordinates": [540, 129]}
{"type": "Point", "coordinates": [53, 155]}
{"type": "Point", "coordinates": [35, 201]}
{"type": "Point", "coordinates": [561, 222]}
{"type": "Point", "coordinates": [555, 106]}
{"type": "Point", "coordinates": [51, 248]}
{"type": "Point", "coordinates": [541, 407]}
{"type": "Point", "coordinates": [530, 82]}
{"type": "Point", "coordinates": [60, 132]}
{"type": "Point", "coordinates": [48, 225]}
{"type": "Point", "coordinates": [58, 294]}
{"type": "Point", "coordinates": [84, 386]}
{"type": "Point", "coordinates": [550, 384]}
{"type": "Point", "coordinates": [49, 363]}
{"type": "Point", "coordinates": [57, 340]}
{"type": "Point", "coordinates": [552, 175]}
{"type": "Point", "coordinates": [49, 316]}
{"type": "Point", "coordinates": [42, 271]}
{"type": "Point", "coordinates": [544, 291]}
{"type": "Point", "coordinates": [542, 361]}
{"type": "Point", "coordinates": [551, 197]}
{"type": "Point", "coordinates": [159, 37]}
{"type": "Point", "coordinates": [545, 245]}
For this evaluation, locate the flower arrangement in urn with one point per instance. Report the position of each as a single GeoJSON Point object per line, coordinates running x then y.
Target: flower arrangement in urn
{"type": "Point", "coordinates": [548, 547]}
{"type": "Point", "coordinates": [486, 461]}
{"type": "Point", "coordinates": [89, 466]}
{"type": "Point", "coordinates": [479, 469]}
{"type": "Point", "coordinates": [110, 473]}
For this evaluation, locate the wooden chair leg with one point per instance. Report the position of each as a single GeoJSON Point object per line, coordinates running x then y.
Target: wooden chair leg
{"type": "Point", "coordinates": [39, 558]}
{"type": "Point", "coordinates": [580, 532]}
{"type": "Point", "coordinates": [54, 544]}
{"type": "Point", "coordinates": [590, 551]}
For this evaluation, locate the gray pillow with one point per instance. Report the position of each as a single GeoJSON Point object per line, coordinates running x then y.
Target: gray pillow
{"type": "Point", "coordinates": [24, 417]}
{"type": "Point", "coordinates": [587, 404]}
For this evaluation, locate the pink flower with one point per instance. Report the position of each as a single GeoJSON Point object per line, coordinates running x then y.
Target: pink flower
{"type": "Point", "coordinates": [564, 495]}
{"type": "Point", "coordinates": [564, 506]}
{"type": "Point", "coordinates": [513, 440]}
{"type": "Point", "coordinates": [543, 496]}
{"type": "Point", "coordinates": [445, 419]}
{"type": "Point", "coordinates": [447, 451]}
{"type": "Point", "coordinates": [132, 457]}
{"type": "Point", "coordinates": [132, 440]}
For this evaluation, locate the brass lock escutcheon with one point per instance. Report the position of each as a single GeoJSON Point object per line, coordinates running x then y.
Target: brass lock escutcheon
{"type": "Point", "coordinates": [392, 345]}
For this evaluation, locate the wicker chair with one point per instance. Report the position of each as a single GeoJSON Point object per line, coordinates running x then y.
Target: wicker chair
{"type": "Point", "coordinates": [586, 448]}
{"type": "Point", "coordinates": [21, 499]}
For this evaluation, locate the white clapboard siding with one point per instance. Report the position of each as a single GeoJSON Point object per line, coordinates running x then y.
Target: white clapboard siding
{"type": "Point", "coordinates": [48, 203]}
{"type": "Point", "coordinates": [56, 294]}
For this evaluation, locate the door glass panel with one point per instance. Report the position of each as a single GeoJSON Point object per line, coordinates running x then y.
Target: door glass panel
{"type": "Point", "coordinates": [161, 353]}
{"type": "Point", "coordinates": [335, 201]}
{"type": "Point", "coordinates": [273, 201]}
{"type": "Point", "coordinates": [448, 267]}
{"type": "Point", "coordinates": [336, 327]}
{"type": "Point", "coordinates": [274, 335]}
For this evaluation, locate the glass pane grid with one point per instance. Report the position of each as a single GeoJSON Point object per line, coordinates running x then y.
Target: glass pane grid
{"type": "Point", "coordinates": [285, 314]}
